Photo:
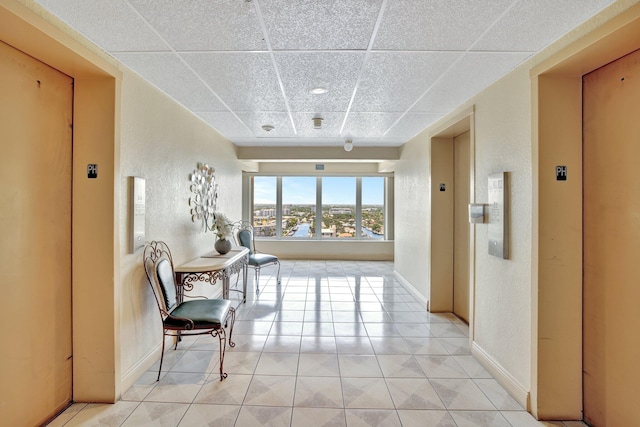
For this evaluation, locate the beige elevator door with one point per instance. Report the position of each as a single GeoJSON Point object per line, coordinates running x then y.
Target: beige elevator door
{"type": "Point", "coordinates": [612, 243]}
{"type": "Point", "coordinates": [35, 225]}
{"type": "Point", "coordinates": [461, 226]}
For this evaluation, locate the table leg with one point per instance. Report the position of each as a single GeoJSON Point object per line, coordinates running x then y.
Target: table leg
{"type": "Point", "coordinates": [245, 269]}
{"type": "Point", "coordinates": [225, 285]}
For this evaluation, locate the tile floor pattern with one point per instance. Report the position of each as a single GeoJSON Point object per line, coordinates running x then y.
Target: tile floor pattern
{"type": "Point", "coordinates": [336, 344]}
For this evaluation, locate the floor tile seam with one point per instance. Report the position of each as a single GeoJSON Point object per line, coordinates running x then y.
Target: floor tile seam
{"type": "Point", "coordinates": [73, 416]}
{"type": "Point", "coordinates": [130, 413]}
{"type": "Point", "coordinates": [489, 399]}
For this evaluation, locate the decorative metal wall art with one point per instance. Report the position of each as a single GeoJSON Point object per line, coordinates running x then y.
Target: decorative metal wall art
{"type": "Point", "coordinates": [205, 196]}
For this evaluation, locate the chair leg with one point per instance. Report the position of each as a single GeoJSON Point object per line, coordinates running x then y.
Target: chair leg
{"type": "Point", "coordinates": [232, 313]}
{"type": "Point", "coordinates": [222, 337]}
{"type": "Point", "coordinates": [257, 280]}
{"type": "Point", "coordinates": [161, 358]}
{"type": "Point", "coordinates": [278, 276]}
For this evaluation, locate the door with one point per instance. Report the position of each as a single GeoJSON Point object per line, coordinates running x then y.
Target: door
{"type": "Point", "coordinates": [611, 372]}
{"type": "Point", "coordinates": [35, 225]}
{"type": "Point", "coordinates": [461, 226]}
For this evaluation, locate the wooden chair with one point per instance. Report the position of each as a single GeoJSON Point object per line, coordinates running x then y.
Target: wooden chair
{"type": "Point", "coordinates": [244, 235]}
{"type": "Point", "coordinates": [184, 318]}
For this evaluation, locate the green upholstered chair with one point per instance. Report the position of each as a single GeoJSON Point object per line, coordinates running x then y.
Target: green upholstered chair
{"type": "Point", "coordinates": [184, 318]}
{"type": "Point", "coordinates": [244, 235]}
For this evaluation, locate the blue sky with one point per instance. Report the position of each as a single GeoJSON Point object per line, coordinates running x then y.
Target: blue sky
{"type": "Point", "coordinates": [302, 190]}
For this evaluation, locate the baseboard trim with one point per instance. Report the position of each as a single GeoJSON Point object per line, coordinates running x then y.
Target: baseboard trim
{"type": "Point", "coordinates": [131, 376]}
{"type": "Point", "coordinates": [506, 380]}
{"type": "Point", "coordinates": [409, 287]}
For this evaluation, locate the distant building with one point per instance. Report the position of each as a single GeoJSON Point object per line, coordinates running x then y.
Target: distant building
{"type": "Point", "coordinates": [329, 232]}
{"type": "Point", "coordinates": [271, 212]}
{"type": "Point", "coordinates": [340, 211]}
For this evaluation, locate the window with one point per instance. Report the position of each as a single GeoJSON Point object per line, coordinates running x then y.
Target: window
{"type": "Point", "coordinates": [327, 207]}
{"type": "Point", "coordinates": [264, 206]}
{"type": "Point", "coordinates": [339, 207]}
{"type": "Point", "coordinates": [373, 207]}
{"type": "Point", "coordinates": [298, 206]}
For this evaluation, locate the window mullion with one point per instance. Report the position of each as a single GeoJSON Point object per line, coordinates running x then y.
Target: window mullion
{"type": "Point", "coordinates": [358, 207]}
{"type": "Point", "coordinates": [279, 207]}
{"type": "Point", "coordinates": [318, 207]}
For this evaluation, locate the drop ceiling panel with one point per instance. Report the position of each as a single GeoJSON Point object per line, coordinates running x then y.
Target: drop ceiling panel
{"type": "Point", "coordinates": [244, 81]}
{"type": "Point", "coordinates": [470, 75]}
{"type": "Point", "coordinates": [281, 123]}
{"type": "Point", "coordinates": [171, 75]}
{"type": "Point", "coordinates": [533, 24]}
{"type": "Point", "coordinates": [112, 25]}
{"type": "Point", "coordinates": [204, 24]}
{"type": "Point", "coordinates": [319, 24]}
{"type": "Point", "coordinates": [436, 24]}
{"type": "Point", "coordinates": [391, 67]}
{"type": "Point", "coordinates": [331, 124]}
{"type": "Point", "coordinates": [410, 125]}
{"type": "Point", "coordinates": [393, 81]}
{"type": "Point", "coordinates": [335, 71]}
{"type": "Point", "coordinates": [227, 124]}
{"type": "Point", "coordinates": [368, 125]}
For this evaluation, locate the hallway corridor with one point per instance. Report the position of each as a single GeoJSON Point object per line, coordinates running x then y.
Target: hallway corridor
{"type": "Point", "coordinates": [337, 344]}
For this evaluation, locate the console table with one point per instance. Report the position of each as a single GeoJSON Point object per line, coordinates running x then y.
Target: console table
{"type": "Point", "coordinates": [214, 266]}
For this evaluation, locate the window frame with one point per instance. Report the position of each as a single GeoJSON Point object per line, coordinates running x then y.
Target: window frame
{"type": "Point", "coordinates": [388, 202]}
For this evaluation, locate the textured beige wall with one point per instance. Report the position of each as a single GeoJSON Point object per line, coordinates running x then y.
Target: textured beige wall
{"type": "Point", "coordinates": [413, 214]}
{"type": "Point", "coordinates": [162, 142]}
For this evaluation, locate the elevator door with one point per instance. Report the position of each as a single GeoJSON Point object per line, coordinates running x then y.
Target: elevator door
{"type": "Point", "coordinates": [611, 372]}
{"type": "Point", "coordinates": [35, 249]}
{"type": "Point", "coordinates": [461, 226]}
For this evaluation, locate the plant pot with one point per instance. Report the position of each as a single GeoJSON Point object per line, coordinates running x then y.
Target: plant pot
{"type": "Point", "coordinates": [222, 246]}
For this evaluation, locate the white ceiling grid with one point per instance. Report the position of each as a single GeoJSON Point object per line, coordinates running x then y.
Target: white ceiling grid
{"type": "Point", "coordinates": [391, 67]}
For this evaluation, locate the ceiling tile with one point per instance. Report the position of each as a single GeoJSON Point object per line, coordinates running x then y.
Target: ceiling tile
{"type": "Point", "coordinates": [393, 81]}
{"type": "Point", "coordinates": [331, 124]}
{"type": "Point", "coordinates": [410, 125]}
{"type": "Point", "coordinates": [335, 71]}
{"type": "Point", "coordinates": [368, 125]}
{"type": "Point", "coordinates": [469, 76]}
{"type": "Point", "coordinates": [227, 124]}
{"type": "Point", "coordinates": [320, 24]}
{"type": "Point", "coordinates": [204, 24]}
{"type": "Point", "coordinates": [171, 75]}
{"type": "Point", "coordinates": [244, 81]}
{"type": "Point", "coordinates": [112, 25]}
{"type": "Point", "coordinates": [436, 24]}
{"type": "Point", "coordinates": [281, 123]}
{"type": "Point", "coordinates": [533, 24]}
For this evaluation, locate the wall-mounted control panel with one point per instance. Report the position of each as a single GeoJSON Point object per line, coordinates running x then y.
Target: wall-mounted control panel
{"type": "Point", "coordinates": [498, 215]}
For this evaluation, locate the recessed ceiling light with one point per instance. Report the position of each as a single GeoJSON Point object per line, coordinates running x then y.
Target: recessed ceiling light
{"type": "Point", "coordinates": [318, 90]}
{"type": "Point", "coordinates": [317, 122]}
{"type": "Point", "coordinates": [267, 128]}
{"type": "Point", "coordinates": [348, 145]}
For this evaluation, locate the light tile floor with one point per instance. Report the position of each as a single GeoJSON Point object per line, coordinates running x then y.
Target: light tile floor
{"type": "Point", "coordinates": [336, 344]}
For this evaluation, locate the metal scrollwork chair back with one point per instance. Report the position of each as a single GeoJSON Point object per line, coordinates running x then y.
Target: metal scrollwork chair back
{"type": "Point", "coordinates": [244, 234]}
{"type": "Point", "coordinates": [183, 318]}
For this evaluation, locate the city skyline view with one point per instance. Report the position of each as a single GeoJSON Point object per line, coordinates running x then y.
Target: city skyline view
{"type": "Point", "coordinates": [301, 190]}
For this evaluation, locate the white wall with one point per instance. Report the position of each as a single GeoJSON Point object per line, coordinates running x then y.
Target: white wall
{"type": "Point", "coordinates": [413, 214]}
{"type": "Point", "coordinates": [162, 142]}
{"type": "Point", "coordinates": [503, 287]}
{"type": "Point", "coordinates": [502, 325]}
